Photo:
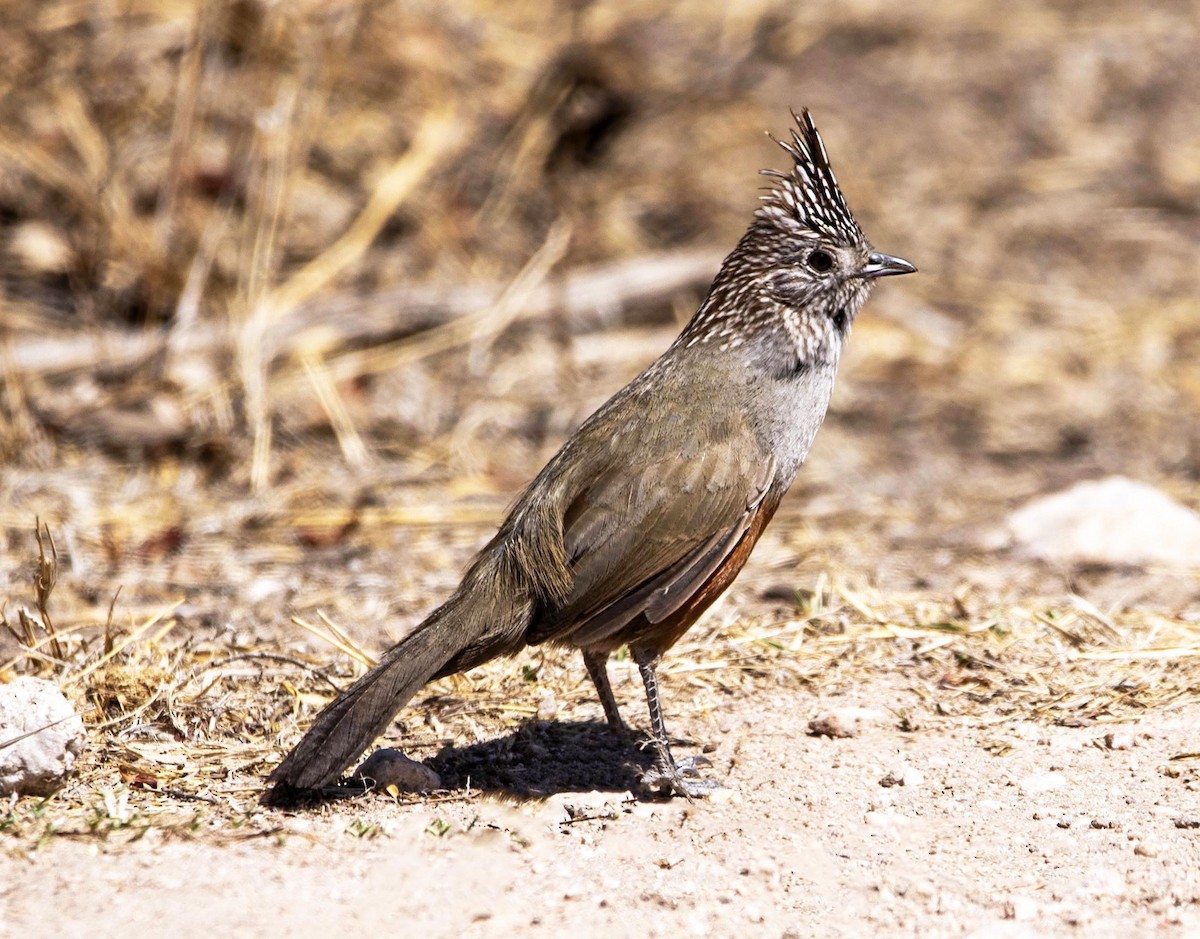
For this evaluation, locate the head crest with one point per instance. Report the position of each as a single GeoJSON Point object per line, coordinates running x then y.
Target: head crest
{"type": "Point", "coordinates": [809, 194]}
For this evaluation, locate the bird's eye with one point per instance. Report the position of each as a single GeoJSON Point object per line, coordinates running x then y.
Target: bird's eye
{"type": "Point", "coordinates": [820, 261]}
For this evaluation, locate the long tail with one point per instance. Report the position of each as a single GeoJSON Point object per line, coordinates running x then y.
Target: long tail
{"type": "Point", "coordinates": [486, 617]}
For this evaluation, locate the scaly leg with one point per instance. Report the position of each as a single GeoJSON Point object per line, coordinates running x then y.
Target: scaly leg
{"type": "Point", "coordinates": [597, 668]}
{"type": "Point", "coordinates": [667, 775]}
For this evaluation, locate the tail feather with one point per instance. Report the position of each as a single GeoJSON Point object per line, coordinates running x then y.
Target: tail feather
{"type": "Point", "coordinates": [466, 631]}
{"type": "Point", "coordinates": [361, 713]}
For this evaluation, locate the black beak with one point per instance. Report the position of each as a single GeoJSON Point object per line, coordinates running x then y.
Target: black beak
{"type": "Point", "coordinates": [884, 265]}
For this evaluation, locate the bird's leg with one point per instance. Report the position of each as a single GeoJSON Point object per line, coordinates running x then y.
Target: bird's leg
{"type": "Point", "coordinates": [597, 668]}
{"type": "Point", "coordinates": [667, 775]}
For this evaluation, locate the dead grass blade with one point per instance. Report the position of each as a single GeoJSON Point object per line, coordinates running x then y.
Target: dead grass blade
{"type": "Point", "coordinates": [437, 136]}
{"type": "Point", "coordinates": [348, 437]}
{"type": "Point", "coordinates": [480, 327]}
{"type": "Point", "coordinates": [336, 638]}
{"type": "Point", "coordinates": [128, 641]}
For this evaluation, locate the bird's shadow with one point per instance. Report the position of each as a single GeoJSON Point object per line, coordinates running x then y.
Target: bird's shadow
{"type": "Point", "coordinates": [538, 759]}
{"type": "Point", "coordinates": [541, 758]}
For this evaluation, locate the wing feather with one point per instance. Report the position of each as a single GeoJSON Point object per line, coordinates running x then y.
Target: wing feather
{"type": "Point", "coordinates": [641, 539]}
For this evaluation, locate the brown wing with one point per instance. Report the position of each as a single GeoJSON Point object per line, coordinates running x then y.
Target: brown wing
{"type": "Point", "coordinates": [642, 538]}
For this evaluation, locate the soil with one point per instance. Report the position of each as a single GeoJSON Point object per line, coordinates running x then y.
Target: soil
{"type": "Point", "coordinates": [957, 827]}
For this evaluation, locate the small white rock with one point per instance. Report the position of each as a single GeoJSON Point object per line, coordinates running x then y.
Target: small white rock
{"type": "Point", "coordinates": [388, 767]}
{"type": "Point", "coordinates": [38, 764]}
{"type": "Point", "coordinates": [844, 721]}
{"type": "Point", "coordinates": [1021, 907]}
{"type": "Point", "coordinates": [1110, 521]}
{"type": "Point", "coordinates": [40, 248]}
{"type": "Point", "coordinates": [886, 819]}
{"type": "Point", "coordinates": [547, 707]}
{"type": "Point", "coordinates": [903, 775]}
{"type": "Point", "coordinates": [1120, 740]}
{"type": "Point", "coordinates": [1042, 782]}
{"type": "Point", "coordinates": [911, 777]}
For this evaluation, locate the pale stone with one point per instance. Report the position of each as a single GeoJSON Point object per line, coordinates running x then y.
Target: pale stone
{"type": "Point", "coordinates": [1115, 521]}
{"type": "Point", "coordinates": [38, 764]}
{"type": "Point", "coordinates": [386, 767]}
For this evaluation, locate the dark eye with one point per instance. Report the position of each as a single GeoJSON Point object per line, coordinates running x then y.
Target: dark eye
{"type": "Point", "coordinates": [820, 261]}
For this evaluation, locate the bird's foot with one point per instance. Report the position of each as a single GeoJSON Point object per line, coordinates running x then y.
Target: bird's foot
{"type": "Point", "coordinates": [680, 779]}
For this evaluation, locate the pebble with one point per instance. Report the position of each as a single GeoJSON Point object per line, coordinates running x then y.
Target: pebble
{"type": "Point", "coordinates": [828, 725]}
{"type": "Point", "coordinates": [886, 818]}
{"type": "Point", "coordinates": [844, 721]}
{"type": "Point", "coordinates": [1120, 740]}
{"type": "Point", "coordinates": [903, 776]}
{"type": "Point", "coordinates": [37, 765]}
{"type": "Point", "coordinates": [1042, 782]}
{"type": "Point", "coordinates": [547, 707]}
{"type": "Point", "coordinates": [388, 767]}
{"type": "Point", "coordinates": [912, 777]}
{"type": "Point", "coordinates": [1021, 907]}
{"type": "Point", "coordinates": [724, 795]}
{"type": "Point", "coordinates": [264, 588]}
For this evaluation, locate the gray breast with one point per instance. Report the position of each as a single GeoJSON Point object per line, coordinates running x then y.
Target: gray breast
{"type": "Point", "coordinates": [789, 410]}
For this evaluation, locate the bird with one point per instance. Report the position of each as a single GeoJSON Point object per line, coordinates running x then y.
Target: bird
{"type": "Point", "coordinates": [651, 507]}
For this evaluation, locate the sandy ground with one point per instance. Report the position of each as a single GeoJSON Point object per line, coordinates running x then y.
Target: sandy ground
{"type": "Point", "coordinates": [960, 827]}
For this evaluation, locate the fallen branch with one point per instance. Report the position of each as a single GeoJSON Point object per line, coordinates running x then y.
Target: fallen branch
{"type": "Point", "coordinates": [586, 299]}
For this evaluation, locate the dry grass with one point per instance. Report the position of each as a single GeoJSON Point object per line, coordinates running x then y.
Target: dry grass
{"type": "Point", "coordinates": [182, 734]}
{"type": "Point", "coordinates": [295, 297]}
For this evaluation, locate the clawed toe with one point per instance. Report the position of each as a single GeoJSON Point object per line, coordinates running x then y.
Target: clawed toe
{"type": "Point", "coordinates": [682, 779]}
{"type": "Point", "coordinates": [690, 765]}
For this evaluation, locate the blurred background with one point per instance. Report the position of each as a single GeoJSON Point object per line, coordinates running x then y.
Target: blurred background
{"type": "Point", "coordinates": [295, 296]}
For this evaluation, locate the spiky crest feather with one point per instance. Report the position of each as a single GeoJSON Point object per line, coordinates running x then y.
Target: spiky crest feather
{"type": "Point", "coordinates": [809, 195]}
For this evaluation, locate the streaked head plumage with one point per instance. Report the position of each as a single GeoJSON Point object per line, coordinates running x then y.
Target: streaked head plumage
{"type": "Point", "coordinates": [809, 195]}
{"type": "Point", "coordinates": [794, 283]}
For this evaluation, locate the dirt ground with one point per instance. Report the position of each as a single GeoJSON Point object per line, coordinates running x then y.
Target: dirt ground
{"type": "Point", "coordinates": [997, 829]}
{"type": "Point", "coordinates": [295, 297]}
{"type": "Point", "coordinates": [991, 784]}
